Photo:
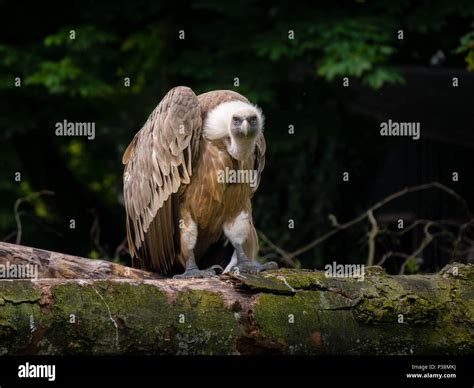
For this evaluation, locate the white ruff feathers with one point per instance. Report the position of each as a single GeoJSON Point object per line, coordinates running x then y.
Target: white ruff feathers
{"type": "Point", "coordinates": [217, 123]}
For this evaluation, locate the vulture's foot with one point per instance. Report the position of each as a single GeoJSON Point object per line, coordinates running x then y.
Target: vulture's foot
{"type": "Point", "coordinates": [200, 273]}
{"type": "Point", "coordinates": [253, 267]}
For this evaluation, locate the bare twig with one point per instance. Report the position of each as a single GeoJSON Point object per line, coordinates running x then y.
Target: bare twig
{"type": "Point", "coordinates": [393, 254]}
{"type": "Point", "coordinates": [462, 229]}
{"type": "Point", "coordinates": [285, 257]}
{"type": "Point", "coordinates": [424, 243]}
{"type": "Point", "coordinates": [122, 247]}
{"type": "Point", "coordinates": [428, 239]}
{"type": "Point", "coordinates": [338, 227]}
{"type": "Point", "coordinates": [372, 235]}
{"type": "Point", "coordinates": [9, 235]}
{"type": "Point", "coordinates": [95, 234]}
{"type": "Point", "coordinates": [18, 202]}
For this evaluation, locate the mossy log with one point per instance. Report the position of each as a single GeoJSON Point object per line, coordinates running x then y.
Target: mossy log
{"type": "Point", "coordinates": [278, 312]}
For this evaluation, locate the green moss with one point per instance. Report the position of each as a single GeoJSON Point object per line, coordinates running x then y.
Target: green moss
{"type": "Point", "coordinates": [324, 324]}
{"type": "Point", "coordinates": [383, 302]}
{"type": "Point", "coordinates": [272, 316]}
{"type": "Point", "coordinates": [308, 323]}
{"type": "Point", "coordinates": [317, 280]}
{"type": "Point", "coordinates": [147, 321]}
{"type": "Point", "coordinates": [19, 291]}
{"type": "Point", "coordinates": [209, 327]}
{"type": "Point", "coordinates": [298, 279]}
{"type": "Point", "coordinates": [20, 315]}
{"type": "Point", "coordinates": [455, 295]}
{"type": "Point", "coordinates": [274, 283]}
{"type": "Point", "coordinates": [375, 271]}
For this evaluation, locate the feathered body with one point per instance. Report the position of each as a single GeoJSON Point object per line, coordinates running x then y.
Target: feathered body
{"type": "Point", "coordinates": [178, 209]}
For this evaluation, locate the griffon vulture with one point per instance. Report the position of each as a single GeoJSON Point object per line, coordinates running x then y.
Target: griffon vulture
{"type": "Point", "coordinates": [186, 206]}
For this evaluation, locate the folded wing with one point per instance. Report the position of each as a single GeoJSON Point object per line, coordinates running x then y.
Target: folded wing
{"type": "Point", "coordinates": [158, 165]}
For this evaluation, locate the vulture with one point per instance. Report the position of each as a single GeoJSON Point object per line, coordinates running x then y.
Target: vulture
{"type": "Point", "coordinates": [188, 206]}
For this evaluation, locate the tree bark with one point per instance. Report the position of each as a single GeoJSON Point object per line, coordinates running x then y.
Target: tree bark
{"type": "Point", "coordinates": [59, 265]}
{"type": "Point", "coordinates": [124, 311]}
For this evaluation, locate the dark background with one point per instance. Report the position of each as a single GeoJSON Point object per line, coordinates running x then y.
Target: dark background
{"type": "Point", "coordinates": [297, 82]}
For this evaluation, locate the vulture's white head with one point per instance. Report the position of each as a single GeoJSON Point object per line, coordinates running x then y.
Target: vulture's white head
{"type": "Point", "coordinates": [237, 124]}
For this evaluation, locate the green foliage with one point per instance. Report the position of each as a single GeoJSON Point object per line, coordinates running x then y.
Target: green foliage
{"type": "Point", "coordinates": [466, 45]}
{"type": "Point", "coordinates": [64, 76]}
{"type": "Point", "coordinates": [145, 50]}
{"type": "Point", "coordinates": [94, 254]}
{"type": "Point", "coordinates": [412, 266]}
{"type": "Point", "coordinates": [78, 69]}
{"type": "Point", "coordinates": [80, 40]}
{"type": "Point", "coordinates": [356, 48]}
{"type": "Point", "coordinates": [343, 47]}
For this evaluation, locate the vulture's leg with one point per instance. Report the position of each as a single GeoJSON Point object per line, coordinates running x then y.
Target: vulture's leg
{"type": "Point", "coordinates": [189, 234]}
{"type": "Point", "coordinates": [237, 232]}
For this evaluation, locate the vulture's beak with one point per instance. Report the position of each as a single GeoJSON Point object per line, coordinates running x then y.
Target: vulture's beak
{"type": "Point", "coordinates": [245, 127]}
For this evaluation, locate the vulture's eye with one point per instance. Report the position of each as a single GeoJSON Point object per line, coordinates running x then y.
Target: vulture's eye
{"type": "Point", "coordinates": [253, 121]}
{"type": "Point", "coordinates": [236, 120]}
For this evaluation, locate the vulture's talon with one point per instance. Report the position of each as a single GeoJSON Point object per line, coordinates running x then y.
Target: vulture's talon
{"type": "Point", "coordinates": [253, 267]}
{"type": "Point", "coordinates": [196, 273]}
{"type": "Point", "coordinates": [269, 265]}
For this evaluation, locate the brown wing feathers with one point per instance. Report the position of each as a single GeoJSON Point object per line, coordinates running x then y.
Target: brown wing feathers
{"type": "Point", "coordinates": [158, 162]}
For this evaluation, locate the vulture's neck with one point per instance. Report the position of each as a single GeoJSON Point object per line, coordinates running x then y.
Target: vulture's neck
{"type": "Point", "coordinates": [242, 149]}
